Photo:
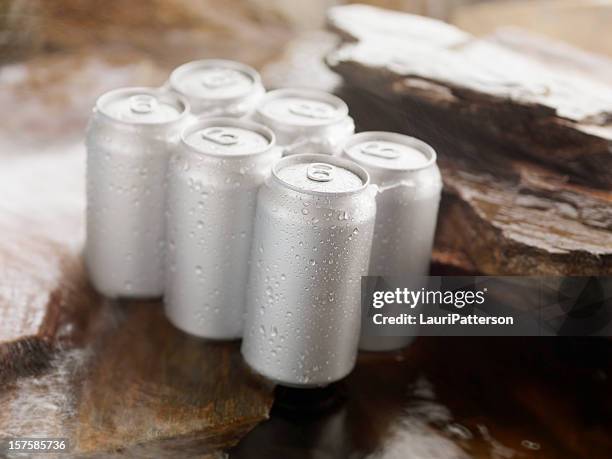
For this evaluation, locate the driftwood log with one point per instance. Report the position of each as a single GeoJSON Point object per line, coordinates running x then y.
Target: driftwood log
{"type": "Point", "coordinates": [525, 148]}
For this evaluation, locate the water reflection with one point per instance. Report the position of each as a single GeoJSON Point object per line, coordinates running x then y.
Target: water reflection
{"type": "Point", "coordinates": [412, 434]}
{"type": "Point", "coordinates": [447, 398]}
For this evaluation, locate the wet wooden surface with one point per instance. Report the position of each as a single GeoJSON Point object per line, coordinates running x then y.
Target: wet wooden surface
{"type": "Point", "coordinates": [115, 378]}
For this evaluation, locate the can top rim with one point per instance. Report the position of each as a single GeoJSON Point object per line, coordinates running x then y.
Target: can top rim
{"type": "Point", "coordinates": [187, 67]}
{"type": "Point", "coordinates": [321, 158]}
{"type": "Point", "coordinates": [178, 101]}
{"type": "Point", "coordinates": [205, 122]}
{"type": "Point", "coordinates": [426, 149]}
{"type": "Point", "coordinates": [315, 94]}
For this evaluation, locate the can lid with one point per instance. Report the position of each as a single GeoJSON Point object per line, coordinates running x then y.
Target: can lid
{"type": "Point", "coordinates": [302, 107]}
{"type": "Point", "coordinates": [141, 105]}
{"type": "Point", "coordinates": [213, 79]}
{"type": "Point", "coordinates": [228, 137]}
{"type": "Point", "coordinates": [389, 150]}
{"type": "Point", "coordinates": [320, 174]}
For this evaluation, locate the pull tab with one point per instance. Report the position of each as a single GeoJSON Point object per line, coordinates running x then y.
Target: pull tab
{"type": "Point", "coordinates": [219, 78]}
{"type": "Point", "coordinates": [311, 110]}
{"type": "Point", "coordinates": [220, 136]}
{"type": "Point", "coordinates": [380, 151]}
{"type": "Point", "coordinates": [320, 172]}
{"type": "Point", "coordinates": [143, 103]}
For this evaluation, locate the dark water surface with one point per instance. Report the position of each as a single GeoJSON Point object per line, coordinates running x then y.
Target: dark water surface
{"type": "Point", "coordinates": [452, 398]}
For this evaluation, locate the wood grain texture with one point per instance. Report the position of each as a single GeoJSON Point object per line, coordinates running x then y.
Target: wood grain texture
{"type": "Point", "coordinates": [150, 390]}
{"type": "Point", "coordinates": [115, 378]}
{"type": "Point", "coordinates": [524, 149]}
{"type": "Point", "coordinates": [42, 195]}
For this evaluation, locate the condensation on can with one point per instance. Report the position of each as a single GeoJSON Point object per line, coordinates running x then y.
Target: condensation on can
{"type": "Point", "coordinates": [311, 245]}
{"type": "Point", "coordinates": [129, 140]}
{"type": "Point", "coordinates": [306, 120]}
{"type": "Point", "coordinates": [409, 185]}
{"type": "Point", "coordinates": [213, 182]}
{"type": "Point", "coordinates": [217, 87]}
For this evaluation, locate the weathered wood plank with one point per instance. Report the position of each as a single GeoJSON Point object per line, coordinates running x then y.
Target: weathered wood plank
{"type": "Point", "coordinates": [42, 189]}
{"type": "Point", "coordinates": [115, 378]}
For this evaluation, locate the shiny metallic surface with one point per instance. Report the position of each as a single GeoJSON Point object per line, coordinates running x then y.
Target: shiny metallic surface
{"type": "Point", "coordinates": [217, 87]}
{"type": "Point", "coordinates": [129, 140]}
{"type": "Point", "coordinates": [311, 245]}
{"type": "Point", "coordinates": [212, 191]}
{"type": "Point", "coordinates": [409, 187]}
{"type": "Point", "coordinates": [306, 120]}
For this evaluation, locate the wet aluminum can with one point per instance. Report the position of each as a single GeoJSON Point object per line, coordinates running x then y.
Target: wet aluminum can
{"type": "Point", "coordinates": [306, 120]}
{"type": "Point", "coordinates": [216, 87]}
{"type": "Point", "coordinates": [129, 140]}
{"type": "Point", "coordinates": [213, 181]}
{"type": "Point", "coordinates": [311, 245]}
{"type": "Point", "coordinates": [409, 187]}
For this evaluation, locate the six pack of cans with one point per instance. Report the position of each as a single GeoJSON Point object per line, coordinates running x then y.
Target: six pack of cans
{"type": "Point", "coordinates": [254, 214]}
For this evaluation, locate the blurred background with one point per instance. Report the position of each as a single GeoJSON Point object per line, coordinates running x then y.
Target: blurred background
{"type": "Point", "coordinates": [192, 28]}
{"type": "Point", "coordinates": [90, 46]}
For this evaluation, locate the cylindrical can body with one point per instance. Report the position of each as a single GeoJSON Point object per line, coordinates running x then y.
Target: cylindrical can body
{"type": "Point", "coordinates": [217, 87]}
{"type": "Point", "coordinates": [306, 120]}
{"type": "Point", "coordinates": [311, 245]}
{"type": "Point", "coordinates": [409, 187]}
{"type": "Point", "coordinates": [212, 192]}
{"type": "Point", "coordinates": [129, 141]}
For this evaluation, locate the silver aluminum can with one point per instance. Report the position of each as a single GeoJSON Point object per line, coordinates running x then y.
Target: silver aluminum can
{"type": "Point", "coordinates": [212, 192]}
{"type": "Point", "coordinates": [409, 187]}
{"type": "Point", "coordinates": [129, 140]}
{"type": "Point", "coordinates": [216, 87]}
{"type": "Point", "coordinates": [311, 245]}
{"type": "Point", "coordinates": [306, 120]}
